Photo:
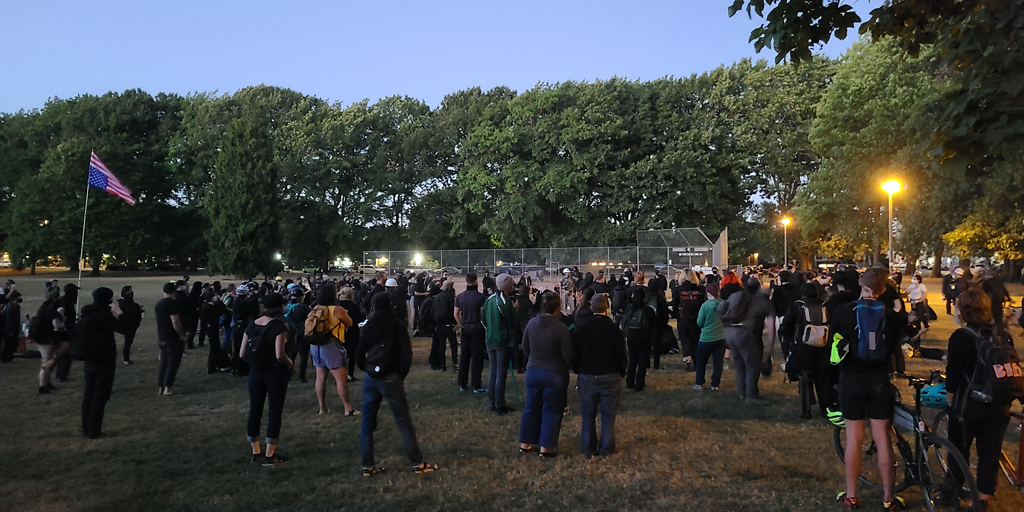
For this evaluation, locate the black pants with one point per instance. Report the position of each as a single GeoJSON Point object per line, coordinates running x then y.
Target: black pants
{"type": "Point", "coordinates": [984, 426]}
{"type": "Point", "coordinates": [351, 346]}
{"type": "Point", "coordinates": [657, 331]}
{"type": "Point", "coordinates": [212, 331]}
{"type": "Point", "coordinates": [99, 381]}
{"type": "Point", "coordinates": [63, 369]}
{"type": "Point", "coordinates": [129, 338]}
{"type": "Point", "coordinates": [269, 385]}
{"type": "Point", "coordinates": [472, 356]}
{"type": "Point", "coordinates": [238, 367]}
{"type": "Point", "coordinates": [447, 332]}
{"type": "Point", "coordinates": [436, 357]}
{"type": "Point", "coordinates": [170, 360]}
{"type": "Point", "coordinates": [10, 344]}
{"type": "Point", "coordinates": [814, 383]}
{"type": "Point", "coordinates": [639, 358]}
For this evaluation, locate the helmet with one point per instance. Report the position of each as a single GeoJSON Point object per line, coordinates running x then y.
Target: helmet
{"type": "Point", "coordinates": [934, 395]}
{"type": "Point", "coordinates": [242, 289]}
{"type": "Point", "coordinates": [835, 416]}
{"type": "Point", "coordinates": [390, 283]}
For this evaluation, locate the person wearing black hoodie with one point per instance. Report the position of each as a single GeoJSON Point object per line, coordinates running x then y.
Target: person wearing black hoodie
{"type": "Point", "coordinates": [638, 339]}
{"type": "Point", "coordinates": [132, 319]}
{"type": "Point", "coordinates": [96, 330]}
{"type": "Point", "coordinates": [807, 364]}
{"type": "Point", "coordinates": [387, 381]}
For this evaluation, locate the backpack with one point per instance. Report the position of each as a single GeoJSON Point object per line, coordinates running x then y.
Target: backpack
{"type": "Point", "coordinates": [378, 356]}
{"type": "Point", "coordinates": [260, 352]}
{"type": "Point", "coordinates": [689, 304]}
{"type": "Point", "coordinates": [289, 315]}
{"type": "Point", "coordinates": [736, 313]}
{"type": "Point", "coordinates": [37, 330]}
{"type": "Point", "coordinates": [427, 323]}
{"type": "Point", "coordinates": [318, 329]}
{"type": "Point", "coordinates": [997, 378]}
{"type": "Point", "coordinates": [620, 299]}
{"type": "Point", "coordinates": [871, 342]}
{"type": "Point", "coordinates": [653, 303]}
{"type": "Point", "coordinates": [637, 325]}
{"type": "Point", "coordinates": [815, 333]}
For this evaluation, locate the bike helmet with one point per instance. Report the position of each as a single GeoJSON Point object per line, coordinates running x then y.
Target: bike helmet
{"type": "Point", "coordinates": [835, 416]}
{"type": "Point", "coordinates": [934, 395]}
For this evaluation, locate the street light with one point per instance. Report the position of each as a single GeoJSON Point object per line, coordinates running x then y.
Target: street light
{"type": "Point", "coordinates": [892, 187]}
{"type": "Point", "coordinates": [785, 241]}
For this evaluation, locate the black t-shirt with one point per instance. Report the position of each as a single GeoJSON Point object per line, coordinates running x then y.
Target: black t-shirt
{"type": "Point", "coordinates": [267, 358]}
{"type": "Point", "coordinates": [164, 326]}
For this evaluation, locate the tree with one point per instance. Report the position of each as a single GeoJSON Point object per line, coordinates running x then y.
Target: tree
{"type": "Point", "coordinates": [981, 41]}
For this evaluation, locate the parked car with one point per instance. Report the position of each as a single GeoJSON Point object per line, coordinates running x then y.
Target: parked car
{"type": "Point", "coordinates": [117, 266]}
{"type": "Point", "coordinates": [369, 269]}
{"type": "Point", "coordinates": [168, 266]}
{"type": "Point", "coordinates": [452, 270]}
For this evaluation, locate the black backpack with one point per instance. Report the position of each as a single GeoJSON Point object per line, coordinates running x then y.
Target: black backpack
{"type": "Point", "coordinates": [378, 356]}
{"type": "Point", "coordinates": [427, 323]}
{"type": "Point", "coordinates": [997, 377]}
{"type": "Point", "coordinates": [259, 351]}
{"type": "Point", "coordinates": [40, 330]}
{"type": "Point", "coordinates": [636, 325]}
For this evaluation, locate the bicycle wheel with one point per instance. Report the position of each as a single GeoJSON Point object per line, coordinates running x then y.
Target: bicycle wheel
{"type": "Point", "coordinates": [869, 474]}
{"type": "Point", "coordinates": [946, 479]}
{"type": "Point", "coordinates": [940, 428]}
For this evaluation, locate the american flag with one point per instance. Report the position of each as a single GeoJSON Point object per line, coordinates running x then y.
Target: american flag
{"type": "Point", "coordinates": [101, 177]}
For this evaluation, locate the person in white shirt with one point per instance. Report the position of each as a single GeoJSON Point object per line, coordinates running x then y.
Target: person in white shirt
{"type": "Point", "coordinates": [917, 293]}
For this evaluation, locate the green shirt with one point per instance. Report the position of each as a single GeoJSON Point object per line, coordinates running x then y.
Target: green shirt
{"type": "Point", "coordinates": [499, 318]}
{"type": "Point", "coordinates": [711, 327]}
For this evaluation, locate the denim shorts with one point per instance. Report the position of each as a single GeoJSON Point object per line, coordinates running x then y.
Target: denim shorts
{"type": "Point", "coordinates": [330, 356]}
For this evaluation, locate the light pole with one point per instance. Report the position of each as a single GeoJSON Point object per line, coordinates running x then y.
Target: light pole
{"type": "Point", "coordinates": [892, 187]}
{"type": "Point", "coordinates": [785, 241]}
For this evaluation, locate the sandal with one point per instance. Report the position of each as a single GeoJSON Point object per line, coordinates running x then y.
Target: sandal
{"type": "Point", "coordinates": [851, 502]}
{"type": "Point", "coordinates": [548, 455]}
{"type": "Point", "coordinates": [353, 412]}
{"type": "Point", "coordinates": [425, 468]}
{"type": "Point", "coordinates": [528, 449]}
{"type": "Point", "coordinates": [373, 470]}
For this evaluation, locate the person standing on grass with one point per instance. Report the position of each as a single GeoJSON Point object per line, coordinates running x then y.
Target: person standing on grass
{"type": "Point", "coordinates": [96, 330]}
{"type": "Point", "coordinates": [600, 366]}
{"type": "Point", "coordinates": [711, 344]}
{"type": "Point", "coordinates": [244, 309]}
{"type": "Point", "coordinates": [351, 344]}
{"type": "Point", "coordinates": [971, 421]}
{"type": "Point", "coordinates": [209, 320]}
{"type": "Point", "coordinates": [297, 312]}
{"type": "Point", "coordinates": [636, 325]}
{"type": "Point", "coordinates": [744, 316]}
{"type": "Point", "coordinates": [331, 357]}
{"type": "Point", "coordinates": [12, 330]}
{"type": "Point", "coordinates": [132, 319]}
{"type": "Point", "coordinates": [386, 380]}
{"type": "Point", "coordinates": [549, 355]}
{"type": "Point", "coordinates": [467, 317]}
{"type": "Point", "coordinates": [444, 318]}
{"type": "Point", "coordinates": [170, 335]}
{"type": "Point", "coordinates": [269, 370]}
{"type": "Point", "coordinates": [499, 318]}
{"type": "Point", "coordinates": [865, 337]}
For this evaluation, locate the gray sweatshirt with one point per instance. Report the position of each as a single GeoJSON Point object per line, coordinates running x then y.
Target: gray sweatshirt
{"type": "Point", "coordinates": [547, 344]}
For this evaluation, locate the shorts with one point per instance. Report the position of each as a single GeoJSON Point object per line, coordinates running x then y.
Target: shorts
{"type": "Point", "coordinates": [47, 352]}
{"type": "Point", "coordinates": [330, 356]}
{"type": "Point", "coordinates": [866, 394]}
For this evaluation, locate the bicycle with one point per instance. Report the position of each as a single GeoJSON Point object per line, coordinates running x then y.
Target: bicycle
{"type": "Point", "coordinates": [1014, 473]}
{"type": "Point", "coordinates": [926, 464]}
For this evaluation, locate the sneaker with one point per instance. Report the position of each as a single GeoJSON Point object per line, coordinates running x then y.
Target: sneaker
{"type": "Point", "coordinates": [273, 460]}
{"type": "Point", "coordinates": [697, 387]}
{"type": "Point", "coordinates": [853, 502]}
{"type": "Point", "coordinates": [480, 390]}
{"type": "Point", "coordinates": [714, 388]}
{"type": "Point", "coordinates": [896, 504]}
{"type": "Point", "coordinates": [461, 389]}
{"type": "Point", "coordinates": [256, 458]}
{"type": "Point", "coordinates": [128, 362]}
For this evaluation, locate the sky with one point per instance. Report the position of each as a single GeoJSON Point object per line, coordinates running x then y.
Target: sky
{"type": "Point", "coordinates": [347, 51]}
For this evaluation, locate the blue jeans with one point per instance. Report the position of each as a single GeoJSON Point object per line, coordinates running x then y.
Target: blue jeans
{"type": "Point", "coordinates": [228, 337]}
{"type": "Point", "coordinates": [545, 403]}
{"type": "Point", "coordinates": [391, 387]}
{"type": "Point", "coordinates": [707, 350]}
{"type": "Point", "coordinates": [598, 392]}
{"type": "Point", "coordinates": [499, 359]}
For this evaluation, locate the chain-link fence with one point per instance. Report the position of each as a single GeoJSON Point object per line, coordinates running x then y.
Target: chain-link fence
{"type": "Point", "coordinates": [544, 261]}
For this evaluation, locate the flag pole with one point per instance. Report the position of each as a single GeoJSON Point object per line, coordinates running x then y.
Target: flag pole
{"type": "Point", "coordinates": [81, 252]}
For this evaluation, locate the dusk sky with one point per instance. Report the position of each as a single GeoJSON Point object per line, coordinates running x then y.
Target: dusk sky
{"type": "Point", "coordinates": [347, 51]}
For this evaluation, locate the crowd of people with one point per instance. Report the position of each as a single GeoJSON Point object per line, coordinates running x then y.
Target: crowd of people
{"type": "Point", "coordinates": [606, 329]}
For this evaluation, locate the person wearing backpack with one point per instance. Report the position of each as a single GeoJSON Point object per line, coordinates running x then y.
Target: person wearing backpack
{"type": "Point", "coordinates": [865, 337]}
{"type": "Point", "coordinates": [263, 346]}
{"type": "Point", "coordinates": [657, 303]}
{"type": "Point", "coordinates": [972, 421]}
{"type": "Point", "coordinates": [96, 332]}
{"type": "Point", "coordinates": [744, 315]}
{"type": "Point", "coordinates": [688, 297]}
{"type": "Point", "coordinates": [804, 333]}
{"type": "Point", "coordinates": [636, 325]}
{"type": "Point", "coordinates": [385, 354]}
{"type": "Point", "coordinates": [325, 329]}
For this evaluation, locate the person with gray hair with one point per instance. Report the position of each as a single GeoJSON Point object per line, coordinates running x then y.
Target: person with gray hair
{"type": "Point", "coordinates": [601, 360]}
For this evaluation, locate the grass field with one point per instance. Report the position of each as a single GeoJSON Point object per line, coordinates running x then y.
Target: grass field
{"type": "Point", "coordinates": [677, 449]}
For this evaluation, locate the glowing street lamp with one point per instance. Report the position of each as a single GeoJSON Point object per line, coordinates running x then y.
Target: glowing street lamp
{"type": "Point", "coordinates": [892, 187]}
{"type": "Point", "coordinates": [785, 241]}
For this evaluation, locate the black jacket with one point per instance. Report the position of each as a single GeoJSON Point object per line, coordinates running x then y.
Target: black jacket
{"type": "Point", "coordinates": [600, 347]}
{"type": "Point", "coordinates": [97, 327]}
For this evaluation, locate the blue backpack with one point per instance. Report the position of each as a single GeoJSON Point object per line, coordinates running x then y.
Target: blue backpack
{"type": "Point", "coordinates": [871, 342]}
